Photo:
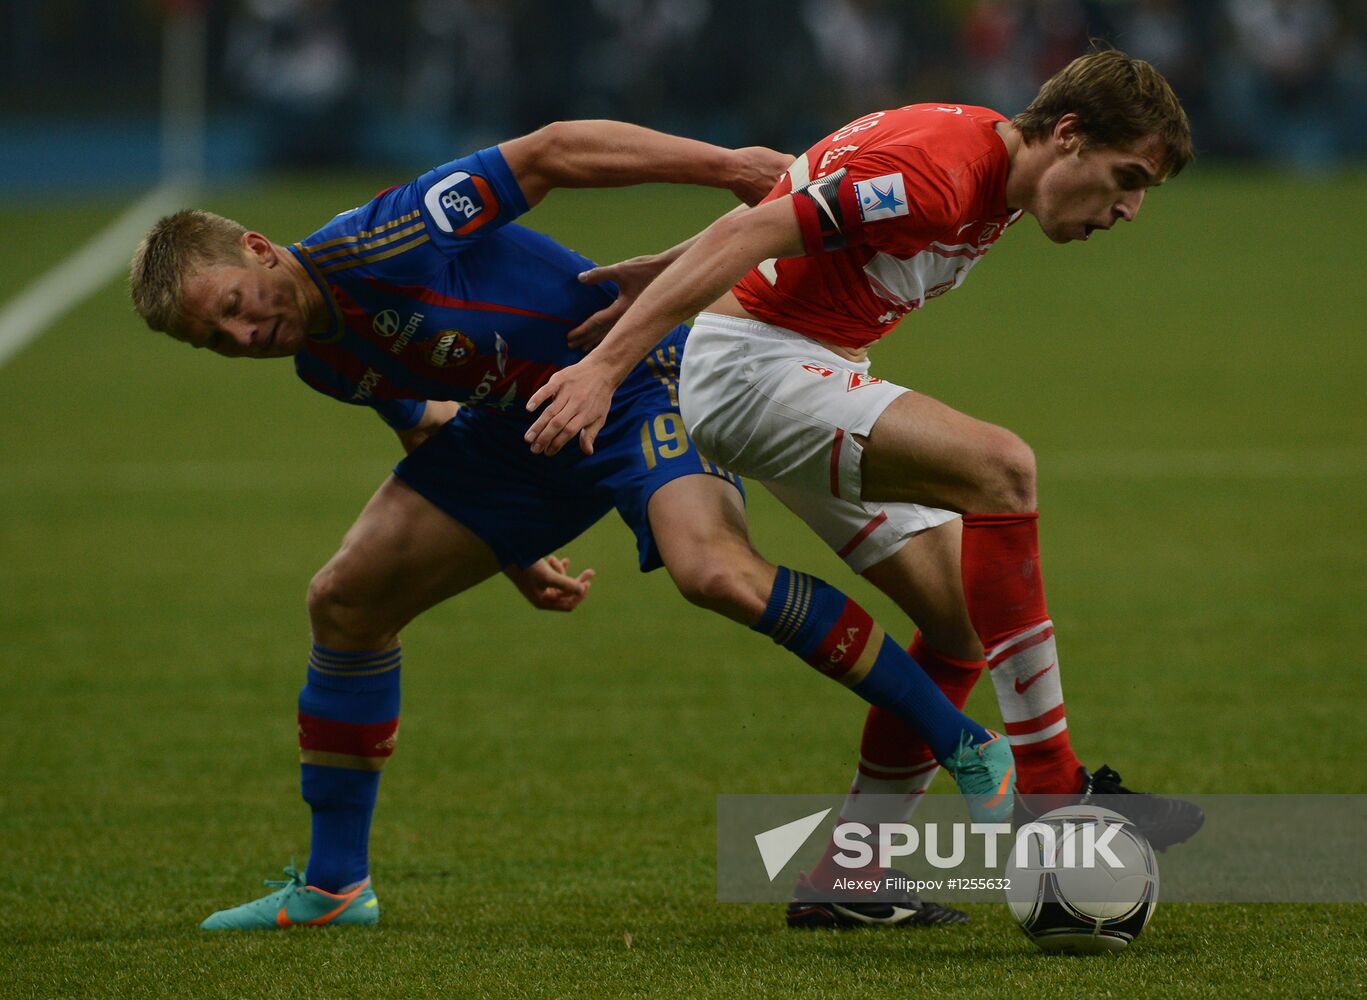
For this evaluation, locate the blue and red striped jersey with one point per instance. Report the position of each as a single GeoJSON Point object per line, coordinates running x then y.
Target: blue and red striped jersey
{"type": "Point", "coordinates": [434, 295]}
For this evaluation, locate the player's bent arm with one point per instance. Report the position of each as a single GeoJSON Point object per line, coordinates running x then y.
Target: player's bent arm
{"type": "Point", "coordinates": [434, 417]}
{"type": "Point", "coordinates": [658, 262]}
{"type": "Point", "coordinates": [632, 277]}
{"type": "Point", "coordinates": [618, 154]}
{"type": "Point", "coordinates": [579, 396]}
{"type": "Point", "coordinates": [718, 258]}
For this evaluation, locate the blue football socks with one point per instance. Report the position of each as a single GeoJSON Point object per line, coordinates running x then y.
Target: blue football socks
{"type": "Point", "coordinates": [348, 722]}
{"type": "Point", "coordinates": [832, 633]}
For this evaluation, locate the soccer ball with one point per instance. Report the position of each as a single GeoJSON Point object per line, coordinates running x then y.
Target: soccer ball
{"type": "Point", "coordinates": [1066, 889]}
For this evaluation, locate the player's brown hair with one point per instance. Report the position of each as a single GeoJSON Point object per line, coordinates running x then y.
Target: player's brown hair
{"type": "Point", "coordinates": [170, 252]}
{"type": "Point", "coordinates": [1117, 100]}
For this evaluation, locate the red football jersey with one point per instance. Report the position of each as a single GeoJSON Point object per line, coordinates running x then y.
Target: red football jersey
{"type": "Point", "coordinates": [894, 208]}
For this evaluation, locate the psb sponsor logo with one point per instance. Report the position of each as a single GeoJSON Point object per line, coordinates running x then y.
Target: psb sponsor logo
{"type": "Point", "coordinates": [409, 328]}
{"type": "Point", "coordinates": [453, 349]}
{"type": "Point", "coordinates": [454, 201]}
{"type": "Point", "coordinates": [386, 323]}
{"type": "Point", "coordinates": [460, 203]}
{"type": "Point", "coordinates": [882, 197]}
{"type": "Point", "coordinates": [367, 385]}
{"type": "Point", "coordinates": [821, 370]}
{"type": "Point", "coordinates": [860, 379]}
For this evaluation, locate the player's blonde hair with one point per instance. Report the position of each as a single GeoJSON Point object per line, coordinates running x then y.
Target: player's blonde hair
{"type": "Point", "coordinates": [1117, 100]}
{"type": "Point", "coordinates": [172, 250]}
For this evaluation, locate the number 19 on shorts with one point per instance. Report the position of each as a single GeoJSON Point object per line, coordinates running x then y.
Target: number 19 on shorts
{"type": "Point", "coordinates": [663, 437]}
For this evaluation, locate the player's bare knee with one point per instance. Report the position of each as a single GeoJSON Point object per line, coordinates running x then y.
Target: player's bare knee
{"type": "Point", "coordinates": [338, 615]}
{"type": "Point", "coordinates": [729, 584]}
{"type": "Point", "coordinates": [325, 602]}
{"type": "Point", "coordinates": [1009, 483]}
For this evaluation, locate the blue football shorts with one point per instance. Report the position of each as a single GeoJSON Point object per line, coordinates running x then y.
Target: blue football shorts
{"type": "Point", "coordinates": [478, 469]}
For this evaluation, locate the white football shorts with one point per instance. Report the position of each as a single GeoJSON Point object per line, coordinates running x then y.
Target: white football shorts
{"type": "Point", "coordinates": [780, 408]}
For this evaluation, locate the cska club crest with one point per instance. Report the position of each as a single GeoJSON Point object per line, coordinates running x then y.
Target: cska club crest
{"type": "Point", "coordinates": [452, 350]}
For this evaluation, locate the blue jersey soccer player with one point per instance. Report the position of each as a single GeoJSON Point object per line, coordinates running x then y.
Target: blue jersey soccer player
{"type": "Point", "coordinates": [427, 297]}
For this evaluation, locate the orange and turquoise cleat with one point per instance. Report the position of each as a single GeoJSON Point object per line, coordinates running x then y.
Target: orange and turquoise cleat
{"type": "Point", "coordinates": [985, 774]}
{"type": "Point", "coordinates": [298, 904]}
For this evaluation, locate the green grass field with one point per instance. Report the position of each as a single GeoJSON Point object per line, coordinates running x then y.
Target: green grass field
{"type": "Point", "coordinates": [1193, 386]}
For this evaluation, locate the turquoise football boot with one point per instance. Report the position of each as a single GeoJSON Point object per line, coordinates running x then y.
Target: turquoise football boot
{"type": "Point", "coordinates": [986, 776]}
{"type": "Point", "coordinates": [297, 904]}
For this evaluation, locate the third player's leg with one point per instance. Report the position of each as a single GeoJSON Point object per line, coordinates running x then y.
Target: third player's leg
{"type": "Point", "coordinates": [923, 577]}
{"type": "Point", "coordinates": [402, 556]}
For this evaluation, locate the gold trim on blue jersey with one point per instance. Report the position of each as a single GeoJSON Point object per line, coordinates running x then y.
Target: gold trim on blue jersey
{"type": "Point", "coordinates": [365, 234]}
{"type": "Point", "coordinates": [377, 257]}
{"type": "Point", "coordinates": [660, 364]}
{"type": "Point", "coordinates": [713, 469]}
{"type": "Point", "coordinates": [334, 310]}
{"type": "Point", "coordinates": [368, 245]}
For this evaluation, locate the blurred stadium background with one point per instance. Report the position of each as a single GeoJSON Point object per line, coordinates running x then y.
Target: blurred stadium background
{"type": "Point", "coordinates": [322, 83]}
{"type": "Point", "coordinates": [1192, 386]}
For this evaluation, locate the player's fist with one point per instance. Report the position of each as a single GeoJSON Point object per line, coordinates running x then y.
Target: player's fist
{"type": "Point", "coordinates": [757, 170]}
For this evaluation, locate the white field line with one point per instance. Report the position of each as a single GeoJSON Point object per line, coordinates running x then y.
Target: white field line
{"type": "Point", "coordinates": [82, 274]}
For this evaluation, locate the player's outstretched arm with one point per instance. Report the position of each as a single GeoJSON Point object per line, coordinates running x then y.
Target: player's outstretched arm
{"type": "Point", "coordinates": [618, 154]}
{"type": "Point", "coordinates": [577, 398]}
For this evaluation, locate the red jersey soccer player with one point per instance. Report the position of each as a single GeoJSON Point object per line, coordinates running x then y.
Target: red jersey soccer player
{"type": "Point", "coordinates": [883, 215]}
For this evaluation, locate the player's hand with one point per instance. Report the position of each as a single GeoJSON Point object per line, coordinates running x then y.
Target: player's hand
{"type": "Point", "coordinates": [577, 400]}
{"type": "Point", "coordinates": [759, 169]}
{"type": "Point", "coordinates": [631, 277]}
{"type": "Point", "coordinates": [547, 584]}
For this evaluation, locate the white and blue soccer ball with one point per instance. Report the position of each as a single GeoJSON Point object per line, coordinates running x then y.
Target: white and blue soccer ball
{"type": "Point", "coordinates": [1082, 879]}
